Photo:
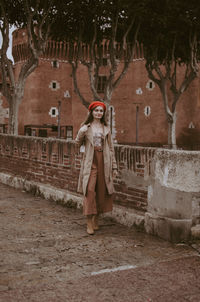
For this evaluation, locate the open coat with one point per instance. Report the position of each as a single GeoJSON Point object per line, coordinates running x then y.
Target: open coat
{"type": "Point", "coordinates": [86, 138]}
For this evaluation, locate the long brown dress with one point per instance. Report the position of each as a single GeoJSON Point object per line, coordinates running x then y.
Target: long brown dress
{"type": "Point", "coordinates": [97, 199]}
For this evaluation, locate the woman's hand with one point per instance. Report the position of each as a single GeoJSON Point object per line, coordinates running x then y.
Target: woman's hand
{"type": "Point", "coordinates": [115, 173]}
{"type": "Point", "coordinates": [84, 128]}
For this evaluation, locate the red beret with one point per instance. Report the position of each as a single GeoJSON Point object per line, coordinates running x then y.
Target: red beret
{"type": "Point", "coordinates": [95, 104]}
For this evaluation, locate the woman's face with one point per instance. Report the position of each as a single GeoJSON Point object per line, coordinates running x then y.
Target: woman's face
{"type": "Point", "coordinates": [98, 112]}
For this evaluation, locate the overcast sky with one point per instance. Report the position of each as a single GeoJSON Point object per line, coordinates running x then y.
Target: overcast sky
{"type": "Point", "coordinates": [9, 53]}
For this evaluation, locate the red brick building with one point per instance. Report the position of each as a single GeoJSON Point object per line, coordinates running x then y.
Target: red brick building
{"type": "Point", "coordinates": [50, 100]}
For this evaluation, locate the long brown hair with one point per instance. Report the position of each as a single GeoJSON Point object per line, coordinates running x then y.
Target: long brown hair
{"type": "Point", "coordinates": [90, 118]}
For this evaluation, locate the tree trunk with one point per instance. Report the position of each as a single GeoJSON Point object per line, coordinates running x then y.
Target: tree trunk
{"type": "Point", "coordinates": [170, 115]}
{"type": "Point", "coordinates": [13, 114]}
{"type": "Point", "coordinates": [172, 131]}
{"type": "Point", "coordinates": [108, 96]}
{"type": "Point", "coordinates": [76, 87]}
{"type": "Point", "coordinates": [107, 101]}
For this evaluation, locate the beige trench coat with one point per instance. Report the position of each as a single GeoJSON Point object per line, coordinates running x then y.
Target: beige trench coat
{"type": "Point", "coordinates": [108, 155]}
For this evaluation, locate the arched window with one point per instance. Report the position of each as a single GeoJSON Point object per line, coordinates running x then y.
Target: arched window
{"type": "Point", "coordinates": [54, 85]}
{"type": "Point", "coordinates": [147, 111]}
{"type": "Point", "coordinates": [150, 85]}
{"type": "Point", "coordinates": [53, 112]}
{"type": "Point", "coordinates": [55, 64]}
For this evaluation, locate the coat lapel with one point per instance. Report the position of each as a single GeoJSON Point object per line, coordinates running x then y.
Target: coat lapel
{"type": "Point", "coordinates": [89, 135]}
{"type": "Point", "coordinates": [106, 130]}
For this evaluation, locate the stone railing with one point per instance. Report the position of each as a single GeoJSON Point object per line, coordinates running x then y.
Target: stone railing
{"type": "Point", "coordinates": [57, 163]}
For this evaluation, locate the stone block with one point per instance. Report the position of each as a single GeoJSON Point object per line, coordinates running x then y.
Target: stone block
{"type": "Point", "coordinates": [195, 231]}
{"type": "Point", "coordinates": [168, 202]}
{"type": "Point", "coordinates": [173, 230]}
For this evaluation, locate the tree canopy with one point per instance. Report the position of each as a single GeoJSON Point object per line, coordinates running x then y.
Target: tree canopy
{"type": "Point", "coordinates": [170, 37]}
{"type": "Point", "coordinates": [167, 29]}
{"type": "Point", "coordinates": [37, 17]}
{"type": "Point", "coordinates": [170, 31]}
{"type": "Point", "coordinates": [97, 30]}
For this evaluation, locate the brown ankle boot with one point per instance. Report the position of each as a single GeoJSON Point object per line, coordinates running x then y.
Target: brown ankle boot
{"type": "Point", "coordinates": [90, 229]}
{"type": "Point", "coordinates": [95, 221]}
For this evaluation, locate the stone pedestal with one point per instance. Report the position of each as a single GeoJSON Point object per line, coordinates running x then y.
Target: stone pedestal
{"type": "Point", "coordinates": [173, 195]}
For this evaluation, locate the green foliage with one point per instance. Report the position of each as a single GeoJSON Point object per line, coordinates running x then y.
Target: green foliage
{"type": "Point", "coordinates": [88, 18]}
{"type": "Point", "coordinates": [18, 11]}
{"type": "Point", "coordinates": [168, 29]}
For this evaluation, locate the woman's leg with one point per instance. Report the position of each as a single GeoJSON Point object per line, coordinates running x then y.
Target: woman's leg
{"type": "Point", "coordinates": [89, 203]}
{"type": "Point", "coordinates": [103, 199]}
{"type": "Point", "coordinates": [95, 221]}
{"type": "Point", "coordinates": [90, 229]}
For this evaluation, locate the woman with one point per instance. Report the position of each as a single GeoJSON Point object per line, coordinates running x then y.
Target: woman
{"type": "Point", "coordinates": [98, 165]}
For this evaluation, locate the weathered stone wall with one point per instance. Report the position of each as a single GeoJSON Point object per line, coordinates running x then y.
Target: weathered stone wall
{"type": "Point", "coordinates": [157, 188]}
{"type": "Point", "coordinates": [174, 194]}
{"type": "Point", "coordinates": [57, 163]}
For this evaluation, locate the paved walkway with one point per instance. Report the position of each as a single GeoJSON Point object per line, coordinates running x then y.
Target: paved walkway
{"type": "Point", "coordinates": [46, 256]}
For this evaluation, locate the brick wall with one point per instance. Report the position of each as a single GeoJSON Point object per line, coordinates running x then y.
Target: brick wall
{"type": "Point", "coordinates": [134, 172]}
{"type": "Point", "coordinates": [40, 97]}
{"type": "Point", "coordinates": [57, 163]}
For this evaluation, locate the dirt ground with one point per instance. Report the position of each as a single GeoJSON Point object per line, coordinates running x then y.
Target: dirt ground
{"type": "Point", "coordinates": [47, 256]}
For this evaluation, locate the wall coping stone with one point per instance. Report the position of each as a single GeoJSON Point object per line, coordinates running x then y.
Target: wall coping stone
{"type": "Point", "coordinates": [177, 169]}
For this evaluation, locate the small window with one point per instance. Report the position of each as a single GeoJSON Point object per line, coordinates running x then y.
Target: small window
{"type": "Point", "coordinates": [101, 83]}
{"type": "Point", "coordinates": [69, 132]}
{"type": "Point", "coordinates": [53, 112]}
{"type": "Point", "coordinates": [139, 91]}
{"type": "Point", "coordinates": [55, 64]}
{"type": "Point", "coordinates": [62, 132]}
{"type": "Point", "coordinates": [150, 85]}
{"type": "Point", "coordinates": [28, 131]}
{"type": "Point", "coordinates": [54, 85]}
{"type": "Point", "coordinates": [42, 133]}
{"type": "Point", "coordinates": [147, 110]}
{"type": "Point", "coordinates": [191, 125]}
{"type": "Point", "coordinates": [54, 128]}
{"type": "Point", "coordinates": [67, 94]}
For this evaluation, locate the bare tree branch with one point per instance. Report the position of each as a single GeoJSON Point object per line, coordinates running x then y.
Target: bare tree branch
{"type": "Point", "coordinates": [128, 60]}
{"type": "Point", "coordinates": [74, 70]}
